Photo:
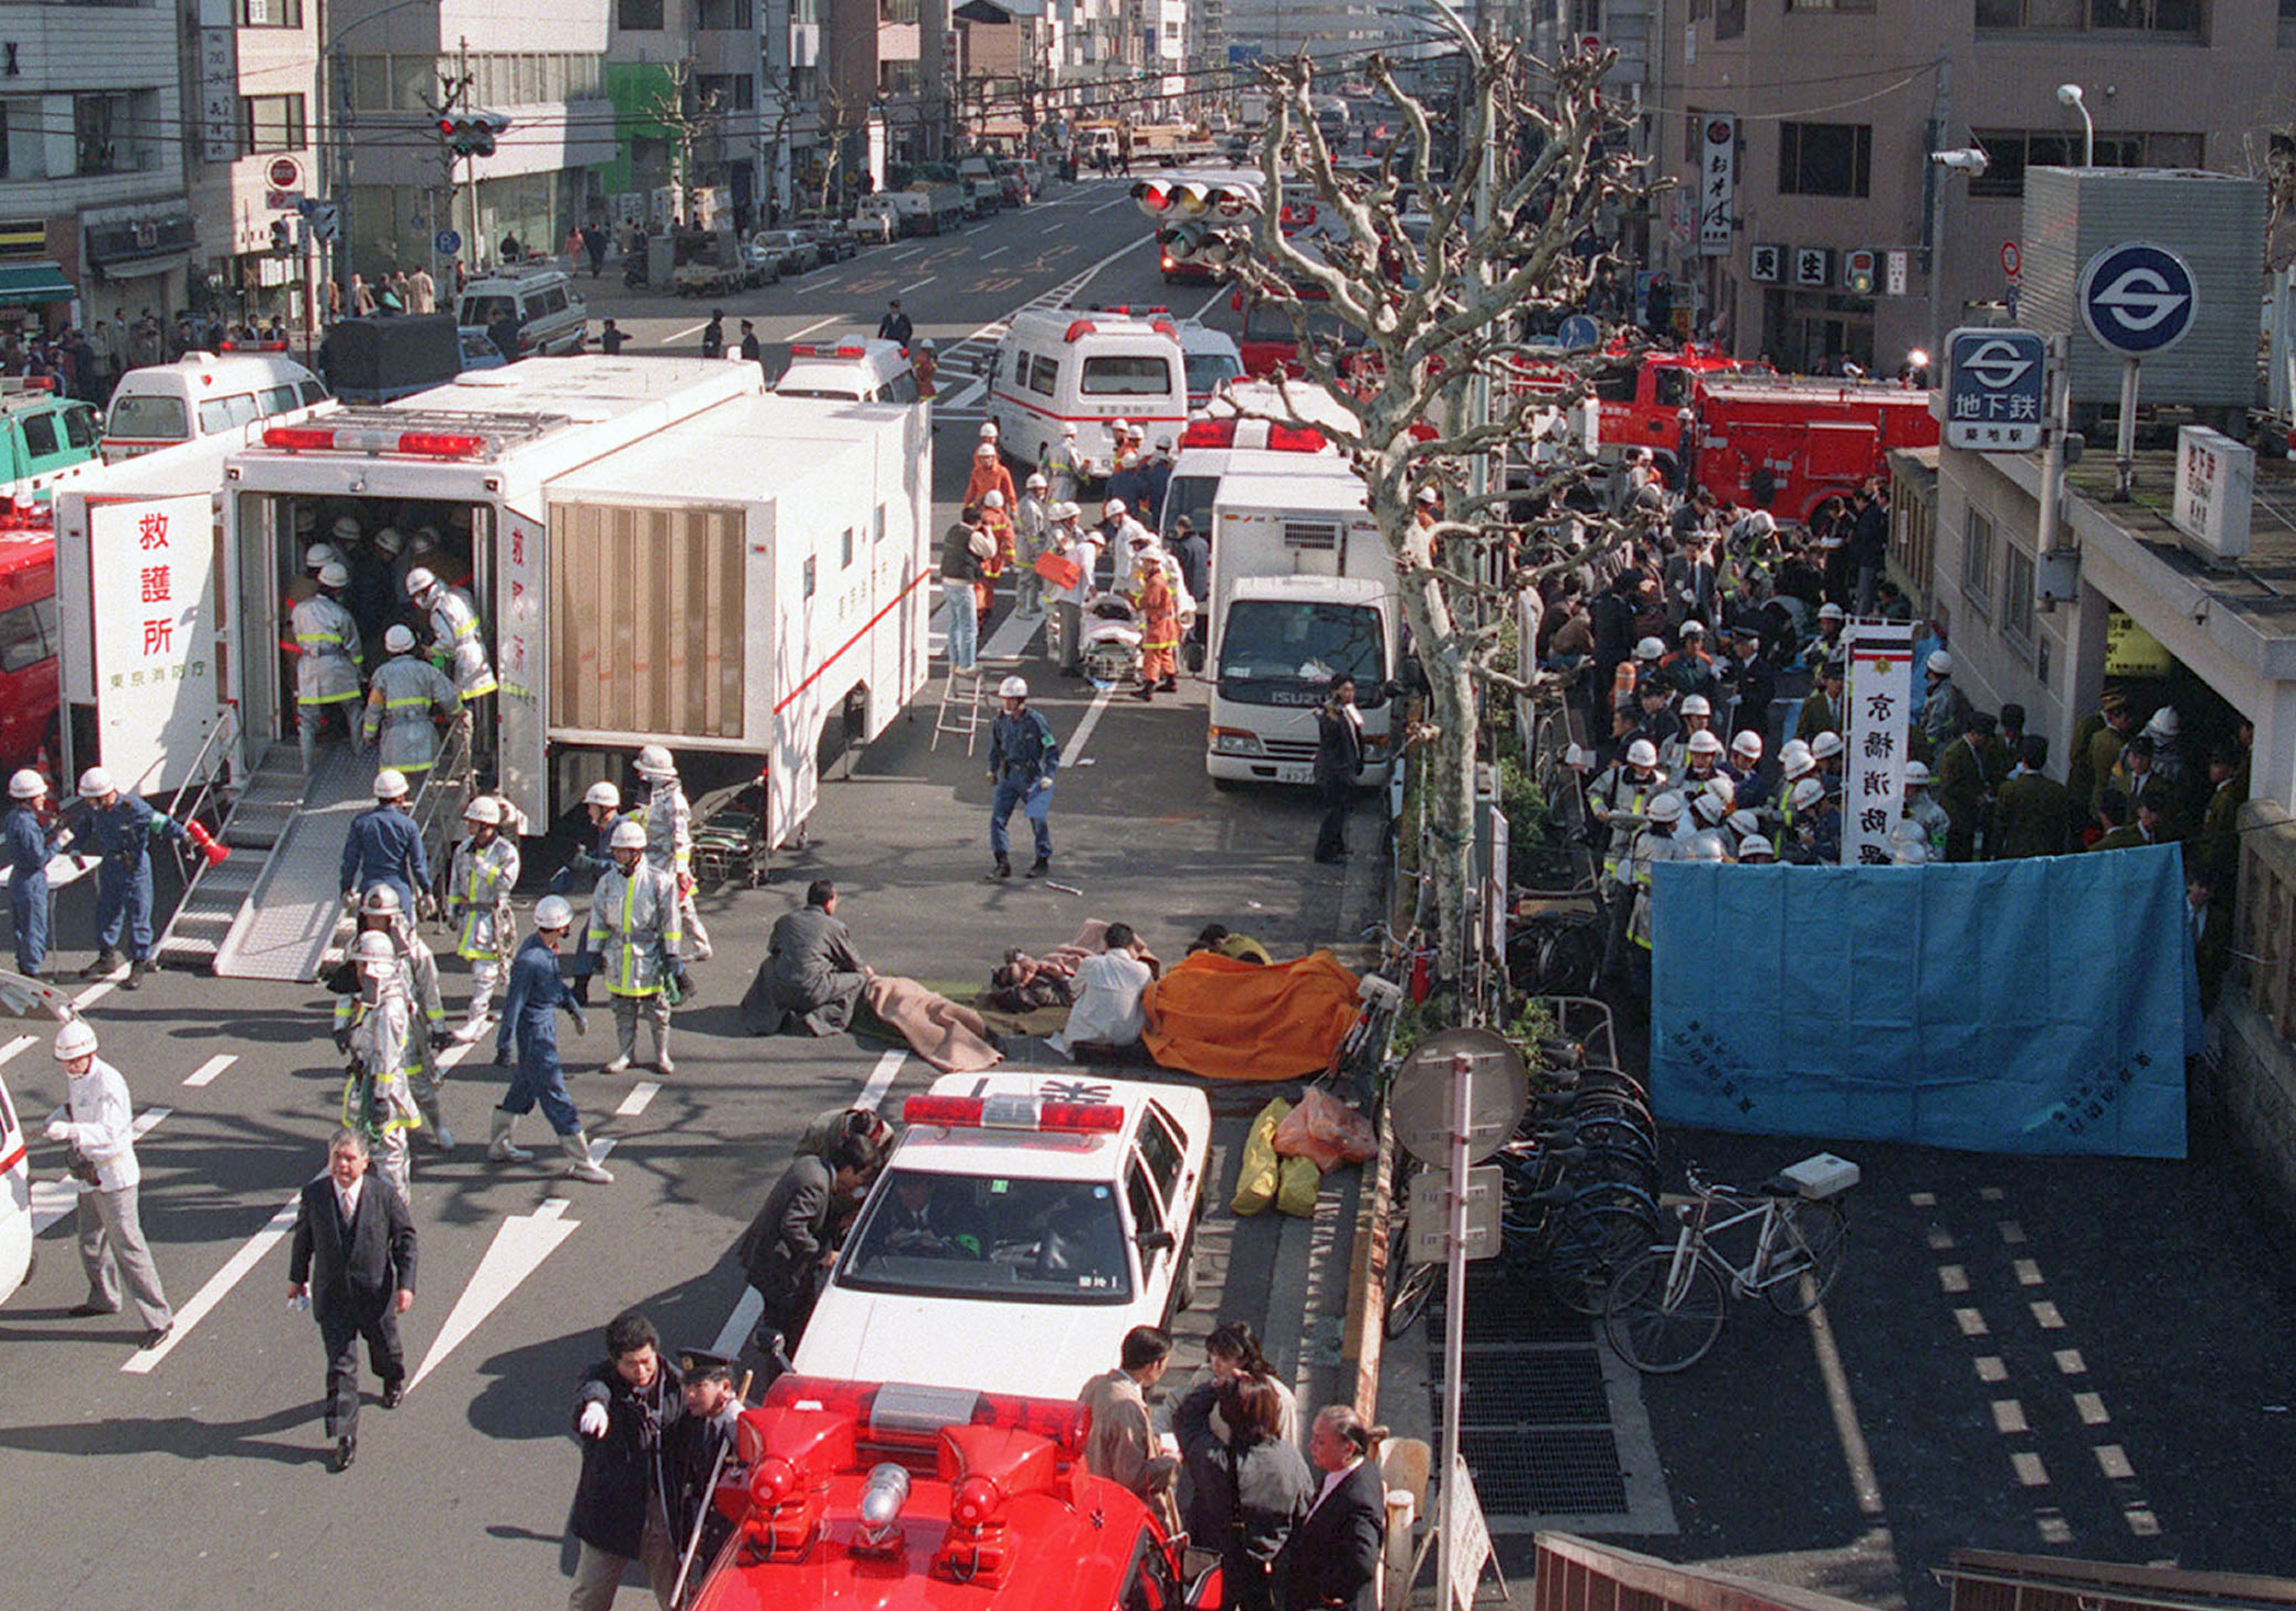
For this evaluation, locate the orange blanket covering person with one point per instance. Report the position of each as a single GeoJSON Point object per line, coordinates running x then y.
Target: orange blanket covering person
{"type": "Point", "coordinates": [1227, 1019]}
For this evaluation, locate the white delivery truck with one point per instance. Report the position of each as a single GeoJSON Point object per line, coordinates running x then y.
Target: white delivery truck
{"type": "Point", "coordinates": [661, 552]}
{"type": "Point", "coordinates": [1304, 592]}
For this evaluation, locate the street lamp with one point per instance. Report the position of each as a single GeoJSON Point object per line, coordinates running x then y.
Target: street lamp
{"type": "Point", "coordinates": [2070, 95]}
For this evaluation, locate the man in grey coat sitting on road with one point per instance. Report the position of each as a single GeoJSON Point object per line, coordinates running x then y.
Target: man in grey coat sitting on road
{"type": "Point", "coordinates": [811, 976]}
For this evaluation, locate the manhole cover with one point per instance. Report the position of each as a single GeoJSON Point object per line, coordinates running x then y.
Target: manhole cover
{"type": "Point", "coordinates": [1565, 1472]}
{"type": "Point", "coordinates": [1536, 1388]}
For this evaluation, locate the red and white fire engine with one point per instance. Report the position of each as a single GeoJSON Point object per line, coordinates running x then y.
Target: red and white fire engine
{"type": "Point", "coordinates": [1788, 443]}
{"type": "Point", "coordinates": [860, 1496]}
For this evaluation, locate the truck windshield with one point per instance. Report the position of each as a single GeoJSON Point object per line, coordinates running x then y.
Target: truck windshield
{"type": "Point", "coordinates": [149, 417]}
{"type": "Point", "coordinates": [1207, 370]}
{"type": "Point", "coordinates": [1005, 1239]}
{"type": "Point", "coordinates": [1192, 496]}
{"type": "Point", "coordinates": [1288, 651]}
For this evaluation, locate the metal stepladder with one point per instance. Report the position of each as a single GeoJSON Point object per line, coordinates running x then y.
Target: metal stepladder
{"type": "Point", "coordinates": [959, 713]}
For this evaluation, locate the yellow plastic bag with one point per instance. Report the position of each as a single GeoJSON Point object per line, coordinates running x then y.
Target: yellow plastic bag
{"type": "Point", "coordinates": [1302, 1179]}
{"type": "Point", "coordinates": [1256, 1180]}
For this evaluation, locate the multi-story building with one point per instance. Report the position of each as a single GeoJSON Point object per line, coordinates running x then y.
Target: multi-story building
{"type": "Point", "coordinates": [252, 80]}
{"type": "Point", "coordinates": [93, 203]}
{"type": "Point", "coordinates": [703, 98]}
{"type": "Point", "coordinates": [888, 80]}
{"type": "Point", "coordinates": [1831, 109]}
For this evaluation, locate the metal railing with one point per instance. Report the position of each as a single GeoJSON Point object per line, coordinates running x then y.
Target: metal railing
{"type": "Point", "coordinates": [208, 788]}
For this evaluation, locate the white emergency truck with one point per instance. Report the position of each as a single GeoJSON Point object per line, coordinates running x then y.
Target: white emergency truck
{"type": "Point", "coordinates": [660, 551]}
{"type": "Point", "coordinates": [1244, 425]}
{"type": "Point", "coordinates": [1304, 592]}
{"type": "Point", "coordinates": [1086, 367]}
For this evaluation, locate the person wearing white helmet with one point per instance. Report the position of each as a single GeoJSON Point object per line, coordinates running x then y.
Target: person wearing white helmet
{"type": "Point", "coordinates": [1816, 825]}
{"type": "Point", "coordinates": [385, 847]}
{"type": "Point", "coordinates": [479, 886]}
{"type": "Point", "coordinates": [118, 827]}
{"type": "Point", "coordinates": [988, 474]}
{"type": "Point", "coordinates": [528, 1040]}
{"type": "Point", "coordinates": [379, 1096]}
{"type": "Point", "coordinates": [1696, 715]}
{"type": "Point", "coordinates": [1908, 845]}
{"type": "Point", "coordinates": [634, 928]}
{"type": "Point", "coordinates": [328, 651]}
{"type": "Point", "coordinates": [1827, 751]}
{"type": "Point", "coordinates": [1755, 851]}
{"type": "Point", "coordinates": [1925, 812]}
{"type": "Point", "coordinates": [1744, 764]}
{"type": "Point", "coordinates": [458, 647]}
{"type": "Point", "coordinates": [1030, 521]}
{"type": "Point", "coordinates": [1023, 757]}
{"type": "Point", "coordinates": [1942, 707]}
{"type": "Point", "coordinates": [403, 699]}
{"type": "Point", "coordinates": [380, 912]}
{"type": "Point", "coordinates": [1065, 466]}
{"type": "Point", "coordinates": [97, 1123]}
{"type": "Point", "coordinates": [1708, 834]}
{"type": "Point", "coordinates": [669, 821]}
{"type": "Point", "coordinates": [1657, 842]}
{"type": "Point", "coordinates": [1118, 528]}
{"type": "Point", "coordinates": [1701, 761]}
{"type": "Point", "coordinates": [29, 838]}
{"type": "Point", "coordinates": [1619, 800]}
{"type": "Point", "coordinates": [1077, 581]}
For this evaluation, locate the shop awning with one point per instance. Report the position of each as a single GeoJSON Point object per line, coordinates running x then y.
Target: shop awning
{"type": "Point", "coordinates": [29, 285]}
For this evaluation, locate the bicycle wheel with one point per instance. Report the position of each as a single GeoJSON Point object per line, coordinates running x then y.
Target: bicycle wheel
{"type": "Point", "coordinates": [1612, 1134]}
{"type": "Point", "coordinates": [1660, 1328]}
{"type": "Point", "coordinates": [1591, 1247]}
{"type": "Point", "coordinates": [1621, 1166]}
{"type": "Point", "coordinates": [1812, 1239]}
{"type": "Point", "coordinates": [1572, 961]}
{"type": "Point", "coordinates": [1407, 1300]}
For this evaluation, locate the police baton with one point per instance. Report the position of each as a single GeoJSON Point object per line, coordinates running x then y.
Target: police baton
{"type": "Point", "coordinates": [709, 1497]}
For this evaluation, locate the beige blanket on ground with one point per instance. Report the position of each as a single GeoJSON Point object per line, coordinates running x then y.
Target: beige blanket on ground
{"type": "Point", "coordinates": [953, 1039]}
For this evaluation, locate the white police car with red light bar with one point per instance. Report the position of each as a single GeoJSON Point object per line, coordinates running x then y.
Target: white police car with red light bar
{"type": "Point", "coordinates": [1025, 1222]}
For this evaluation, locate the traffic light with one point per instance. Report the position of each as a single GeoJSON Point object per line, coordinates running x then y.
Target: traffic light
{"type": "Point", "coordinates": [282, 238]}
{"type": "Point", "coordinates": [1860, 271]}
{"type": "Point", "coordinates": [1171, 199]}
{"type": "Point", "coordinates": [472, 134]}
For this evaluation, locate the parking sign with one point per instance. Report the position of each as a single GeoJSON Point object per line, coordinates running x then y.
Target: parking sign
{"type": "Point", "coordinates": [1997, 390]}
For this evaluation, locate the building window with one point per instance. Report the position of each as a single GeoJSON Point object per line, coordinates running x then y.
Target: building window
{"type": "Point", "coordinates": [897, 78]}
{"type": "Point", "coordinates": [1586, 17]}
{"type": "Point", "coordinates": [1730, 19]}
{"type": "Point", "coordinates": [1977, 562]}
{"type": "Point", "coordinates": [1830, 4]}
{"type": "Point", "coordinates": [2012, 150]}
{"type": "Point", "coordinates": [845, 550]}
{"type": "Point", "coordinates": [2017, 594]}
{"type": "Point", "coordinates": [896, 10]}
{"type": "Point", "coordinates": [813, 562]}
{"type": "Point", "coordinates": [99, 128]}
{"type": "Point", "coordinates": [805, 82]}
{"type": "Point", "coordinates": [725, 16]}
{"type": "Point", "coordinates": [639, 16]}
{"type": "Point", "coordinates": [271, 12]}
{"type": "Point", "coordinates": [2181, 19]}
{"type": "Point", "coordinates": [727, 92]}
{"type": "Point", "coordinates": [271, 123]}
{"type": "Point", "coordinates": [1825, 159]}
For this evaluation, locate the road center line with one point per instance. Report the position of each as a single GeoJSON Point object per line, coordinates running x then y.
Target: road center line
{"type": "Point", "coordinates": [809, 329]}
{"type": "Point", "coordinates": [881, 1079]}
{"type": "Point", "coordinates": [98, 991]}
{"type": "Point", "coordinates": [644, 1091]}
{"type": "Point", "coordinates": [1211, 301]}
{"type": "Point", "coordinates": [204, 1074]}
{"type": "Point", "coordinates": [679, 335]}
{"type": "Point", "coordinates": [1119, 201]}
{"type": "Point", "coordinates": [920, 286]}
{"type": "Point", "coordinates": [218, 1287]}
{"type": "Point", "coordinates": [16, 1047]}
{"type": "Point", "coordinates": [986, 255]}
{"type": "Point", "coordinates": [55, 1199]}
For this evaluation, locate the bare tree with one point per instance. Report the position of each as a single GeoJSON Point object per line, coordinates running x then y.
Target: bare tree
{"type": "Point", "coordinates": [1437, 309]}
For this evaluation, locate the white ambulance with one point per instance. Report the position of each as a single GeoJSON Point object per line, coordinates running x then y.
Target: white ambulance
{"type": "Point", "coordinates": [1086, 367]}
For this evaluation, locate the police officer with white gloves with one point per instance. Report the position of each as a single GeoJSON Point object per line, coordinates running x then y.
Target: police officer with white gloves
{"type": "Point", "coordinates": [530, 1014]}
{"type": "Point", "coordinates": [326, 664]}
{"type": "Point", "coordinates": [406, 689]}
{"type": "Point", "coordinates": [634, 928]}
{"type": "Point", "coordinates": [96, 1123]}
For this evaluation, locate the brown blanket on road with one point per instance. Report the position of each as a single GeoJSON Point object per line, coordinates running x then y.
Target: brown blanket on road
{"type": "Point", "coordinates": [953, 1039]}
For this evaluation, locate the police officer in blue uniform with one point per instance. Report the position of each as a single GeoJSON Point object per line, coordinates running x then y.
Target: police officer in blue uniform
{"type": "Point", "coordinates": [29, 843]}
{"type": "Point", "coordinates": [530, 1025]}
{"type": "Point", "coordinates": [120, 827]}
{"type": "Point", "coordinates": [385, 847]}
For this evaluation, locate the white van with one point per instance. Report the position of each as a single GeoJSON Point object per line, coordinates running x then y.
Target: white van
{"type": "Point", "coordinates": [1086, 367]}
{"type": "Point", "coordinates": [1212, 359]}
{"type": "Point", "coordinates": [552, 317]}
{"type": "Point", "coordinates": [853, 370]}
{"type": "Point", "coordinates": [199, 395]}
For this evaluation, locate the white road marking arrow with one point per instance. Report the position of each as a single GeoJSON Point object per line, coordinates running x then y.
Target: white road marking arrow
{"type": "Point", "coordinates": [520, 1246]}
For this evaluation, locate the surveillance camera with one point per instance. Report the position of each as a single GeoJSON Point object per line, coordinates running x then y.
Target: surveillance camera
{"type": "Point", "coordinates": [1967, 159]}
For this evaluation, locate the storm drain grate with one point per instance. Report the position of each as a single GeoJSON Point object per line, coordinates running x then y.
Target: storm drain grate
{"type": "Point", "coordinates": [1548, 1471]}
{"type": "Point", "coordinates": [1540, 1386]}
{"type": "Point", "coordinates": [1503, 1312]}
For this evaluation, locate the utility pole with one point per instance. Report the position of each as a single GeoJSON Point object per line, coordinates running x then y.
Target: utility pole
{"type": "Point", "coordinates": [453, 94]}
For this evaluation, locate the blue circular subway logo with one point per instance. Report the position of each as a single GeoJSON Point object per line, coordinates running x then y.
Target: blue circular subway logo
{"type": "Point", "coordinates": [2138, 299]}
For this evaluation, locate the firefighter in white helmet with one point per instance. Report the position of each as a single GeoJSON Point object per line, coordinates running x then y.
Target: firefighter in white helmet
{"type": "Point", "coordinates": [381, 912]}
{"type": "Point", "coordinates": [96, 1123]}
{"type": "Point", "coordinates": [635, 931]}
{"type": "Point", "coordinates": [484, 871]}
{"type": "Point", "coordinates": [458, 649]}
{"type": "Point", "coordinates": [28, 841]}
{"type": "Point", "coordinates": [602, 805]}
{"type": "Point", "coordinates": [404, 693]}
{"type": "Point", "coordinates": [528, 1040]}
{"type": "Point", "coordinates": [1923, 809]}
{"type": "Point", "coordinates": [378, 1099]}
{"type": "Point", "coordinates": [1657, 842]}
{"type": "Point", "coordinates": [120, 829]}
{"type": "Point", "coordinates": [669, 821]}
{"type": "Point", "coordinates": [327, 653]}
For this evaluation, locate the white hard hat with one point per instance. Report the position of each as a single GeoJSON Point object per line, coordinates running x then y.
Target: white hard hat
{"type": "Point", "coordinates": [346, 527]}
{"type": "Point", "coordinates": [27, 785]}
{"type": "Point", "coordinates": [1747, 743]}
{"type": "Point", "coordinates": [1753, 845]}
{"type": "Point", "coordinates": [1036, 482]}
{"type": "Point", "coordinates": [553, 912]}
{"type": "Point", "coordinates": [94, 783]}
{"type": "Point", "coordinates": [1067, 511]}
{"type": "Point", "coordinates": [1642, 752]}
{"type": "Point", "coordinates": [374, 953]}
{"type": "Point", "coordinates": [399, 639]}
{"type": "Point", "coordinates": [1807, 793]}
{"type": "Point", "coordinates": [653, 761]}
{"type": "Point", "coordinates": [604, 795]}
{"type": "Point", "coordinates": [1112, 507]}
{"type": "Point", "coordinates": [1694, 627]}
{"type": "Point", "coordinates": [1013, 688]}
{"type": "Point", "coordinates": [992, 499]}
{"type": "Point", "coordinates": [76, 1039]}
{"type": "Point", "coordinates": [390, 784]}
{"type": "Point", "coordinates": [486, 809]}
{"type": "Point", "coordinates": [382, 901]}
{"type": "Point", "coordinates": [1068, 430]}
{"type": "Point", "coordinates": [1798, 764]}
{"type": "Point", "coordinates": [985, 450]}
{"type": "Point", "coordinates": [1742, 823]}
{"type": "Point", "coordinates": [1917, 775]}
{"type": "Point", "coordinates": [1697, 704]}
{"type": "Point", "coordinates": [628, 835]}
{"type": "Point", "coordinates": [1940, 664]}
{"type": "Point", "coordinates": [1825, 746]}
{"type": "Point", "coordinates": [1792, 749]}
{"type": "Point", "coordinates": [1705, 848]}
{"type": "Point", "coordinates": [1722, 788]}
{"type": "Point", "coordinates": [1908, 844]}
{"type": "Point", "coordinates": [1119, 428]}
{"type": "Point", "coordinates": [334, 575]}
{"type": "Point", "coordinates": [1703, 742]}
{"type": "Point", "coordinates": [1711, 808]}
{"type": "Point", "coordinates": [320, 554]}
{"type": "Point", "coordinates": [389, 542]}
{"type": "Point", "coordinates": [1429, 495]}
{"type": "Point", "coordinates": [1650, 648]}
{"type": "Point", "coordinates": [1667, 807]}
{"type": "Point", "coordinates": [988, 430]}
{"type": "Point", "coordinates": [420, 581]}
{"type": "Point", "coordinates": [2164, 724]}
{"type": "Point", "coordinates": [1830, 611]}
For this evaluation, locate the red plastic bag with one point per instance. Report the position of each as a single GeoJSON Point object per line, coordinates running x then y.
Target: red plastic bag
{"type": "Point", "coordinates": [1326, 1131]}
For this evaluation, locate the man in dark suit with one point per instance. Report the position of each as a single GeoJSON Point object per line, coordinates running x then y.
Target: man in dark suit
{"type": "Point", "coordinates": [788, 1248]}
{"type": "Point", "coordinates": [356, 1227]}
{"type": "Point", "coordinates": [1338, 763]}
{"type": "Point", "coordinates": [1333, 1558]}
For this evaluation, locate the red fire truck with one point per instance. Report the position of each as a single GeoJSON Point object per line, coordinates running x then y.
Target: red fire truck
{"type": "Point", "coordinates": [1787, 442]}
{"type": "Point", "coordinates": [861, 1496]}
{"type": "Point", "coordinates": [28, 636]}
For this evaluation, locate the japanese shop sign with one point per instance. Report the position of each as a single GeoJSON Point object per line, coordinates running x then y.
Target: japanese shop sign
{"type": "Point", "coordinates": [1874, 764]}
{"type": "Point", "coordinates": [152, 579]}
{"type": "Point", "coordinates": [1717, 186]}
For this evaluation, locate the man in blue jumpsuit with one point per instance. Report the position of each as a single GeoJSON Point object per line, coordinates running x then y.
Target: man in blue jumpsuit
{"type": "Point", "coordinates": [119, 828]}
{"type": "Point", "coordinates": [29, 843]}
{"type": "Point", "coordinates": [1023, 757]}
{"type": "Point", "coordinates": [385, 847]}
{"type": "Point", "coordinates": [530, 1013]}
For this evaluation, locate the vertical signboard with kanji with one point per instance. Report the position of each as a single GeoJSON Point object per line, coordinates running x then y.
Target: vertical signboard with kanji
{"type": "Point", "coordinates": [151, 589]}
{"type": "Point", "coordinates": [1718, 184]}
{"type": "Point", "coordinates": [521, 659]}
{"type": "Point", "coordinates": [1873, 762]}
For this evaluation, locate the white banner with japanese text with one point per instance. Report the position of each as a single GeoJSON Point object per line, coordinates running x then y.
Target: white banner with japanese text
{"type": "Point", "coordinates": [1880, 697]}
{"type": "Point", "coordinates": [1718, 184]}
{"type": "Point", "coordinates": [152, 586]}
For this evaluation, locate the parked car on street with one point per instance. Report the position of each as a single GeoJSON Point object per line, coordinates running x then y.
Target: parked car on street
{"type": "Point", "coordinates": [793, 252]}
{"type": "Point", "coordinates": [831, 242]}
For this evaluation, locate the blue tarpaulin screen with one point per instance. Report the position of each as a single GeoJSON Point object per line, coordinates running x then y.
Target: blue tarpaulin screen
{"type": "Point", "coordinates": [2034, 1005]}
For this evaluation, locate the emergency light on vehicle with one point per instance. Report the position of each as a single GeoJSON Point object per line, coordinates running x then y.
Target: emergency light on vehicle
{"type": "Point", "coordinates": [372, 440]}
{"type": "Point", "coordinates": [1225, 433]}
{"type": "Point", "coordinates": [900, 1418]}
{"type": "Point", "coordinates": [815, 350]}
{"type": "Point", "coordinates": [1011, 1110]}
